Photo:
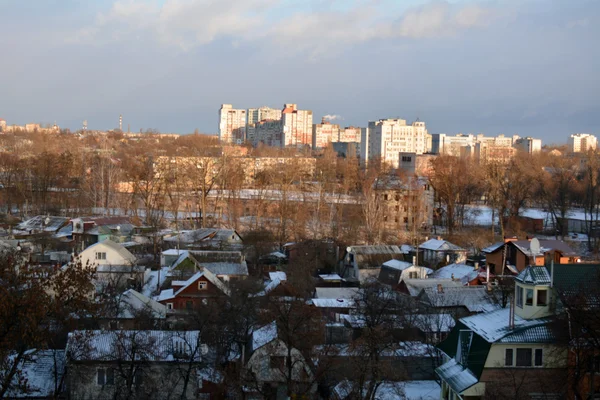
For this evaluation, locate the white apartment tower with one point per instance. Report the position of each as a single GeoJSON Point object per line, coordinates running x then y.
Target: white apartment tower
{"type": "Point", "coordinates": [263, 114]}
{"type": "Point", "coordinates": [387, 138]}
{"type": "Point", "coordinates": [324, 133]}
{"type": "Point", "coordinates": [297, 126]}
{"type": "Point", "coordinates": [582, 142]}
{"type": "Point", "coordinates": [232, 124]}
{"type": "Point", "coordinates": [528, 145]}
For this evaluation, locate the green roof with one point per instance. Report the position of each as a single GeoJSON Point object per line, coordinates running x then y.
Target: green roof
{"type": "Point", "coordinates": [478, 351]}
{"type": "Point", "coordinates": [572, 277]}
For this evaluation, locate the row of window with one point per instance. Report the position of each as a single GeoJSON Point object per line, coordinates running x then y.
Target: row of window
{"type": "Point", "coordinates": [106, 376]}
{"type": "Point", "coordinates": [527, 295]}
{"type": "Point", "coordinates": [524, 357]}
{"type": "Point", "coordinates": [101, 255]}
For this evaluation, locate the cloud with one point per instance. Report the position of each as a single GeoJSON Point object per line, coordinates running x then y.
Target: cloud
{"type": "Point", "coordinates": [186, 24]}
{"type": "Point", "coordinates": [332, 117]}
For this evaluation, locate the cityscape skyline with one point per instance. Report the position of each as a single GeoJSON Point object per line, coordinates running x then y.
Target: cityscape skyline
{"type": "Point", "coordinates": [491, 67]}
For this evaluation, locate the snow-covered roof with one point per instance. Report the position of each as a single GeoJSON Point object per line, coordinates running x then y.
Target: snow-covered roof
{"type": "Point", "coordinates": [473, 298]}
{"type": "Point", "coordinates": [151, 345]}
{"type": "Point", "coordinates": [166, 294]}
{"type": "Point", "coordinates": [43, 371]}
{"type": "Point", "coordinates": [440, 245]}
{"type": "Point", "coordinates": [264, 335]}
{"type": "Point", "coordinates": [458, 377]}
{"type": "Point", "coordinates": [546, 245]}
{"type": "Point", "coordinates": [415, 286]}
{"type": "Point", "coordinates": [493, 326]}
{"type": "Point", "coordinates": [154, 281]}
{"type": "Point", "coordinates": [121, 250]}
{"type": "Point", "coordinates": [333, 303]}
{"type": "Point", "coordinates": [336, 293]}
{"type": "Point", "coordinates": [279, 275]}
{"type": "Point", "coordinates": [397, 264]}
{"type": "Point", "coordinates": [186, 284]}
{"type": "Point", "coordinates": [534, 275]}
{"type": "Point", "coordinates": [278, 254]}
{"type": "Point", "coordinates": [492, 248]}
{"type": "Point", "coordinates": [172, 252]}
{"type": "Point", "coordinates": [132, 302]}
{"type": "Point", "coordinates": [456, 271]}
{"type": "Point", "coordinates": [43, 223]}
{"type": "Point", "coordinates": [377, 249]}
{"type": "Point", "coordinates": [433, 322]}
{"type": "Point", "coordinates": [331, 277]}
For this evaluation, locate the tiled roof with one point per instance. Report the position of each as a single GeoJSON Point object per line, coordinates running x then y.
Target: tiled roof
{"type": "Point", "coordinates": [493, 326]}
{"type": "Point", "coordinates": [534, 275]}
{"type": "Point", "coordinates": [535, 334]}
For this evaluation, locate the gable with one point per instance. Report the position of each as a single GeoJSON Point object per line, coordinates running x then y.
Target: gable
{"type": "Point", "coordinates": [477, 352]}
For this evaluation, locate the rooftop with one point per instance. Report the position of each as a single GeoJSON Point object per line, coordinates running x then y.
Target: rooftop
{"type": "Point", "coordinates": [440, 245]}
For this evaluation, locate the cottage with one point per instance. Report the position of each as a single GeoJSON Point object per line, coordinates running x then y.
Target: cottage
{"type": "Point", "coordinates": [114, 264]}
{"type": "Point", "coordinates": [199, 290]}
{"type": "Point", "coordinates": [485, 351]}
{"type": "Point", "coordinates": [439, 251]}
{"type": "Point", "coordinates": [394, 271]}
{"type": "Point", "coordinates": [516, 254]}
{"type": "Point", "coordinates": [132, 363]}
{"type": "Point", "coordinates": [267, 363]}
{"type": "Point", "coordinates": [226, 265]}
{"type": "Point", "coordinates": [362, 263]}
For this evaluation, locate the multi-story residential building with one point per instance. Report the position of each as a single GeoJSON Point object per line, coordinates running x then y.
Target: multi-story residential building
{"type": "Point", "coordinates": [269, 132]}
{"type": "Point", "coordinates": [581, 142]}
{"type": "Point", "coordinates": [349, 134]}
{"type": "Point", "coordinates": [324, 133]}
{"type": "Point", "coordinates": [232, 124]}
{"type": "Point", "coordinates": [297, 126]}
{"type": "Point", "coordinates": [2, 125]}
{"type": "Point", "coordinates": [263, 114]}
{"type": "Point", "coordinates": [387, 138]}
{"type": "Point", "coordinates": [492, 152]}
{"type": "Point", "coordinates": [528, 145]}
{"type": "Point", "coordinates": [455, 145]}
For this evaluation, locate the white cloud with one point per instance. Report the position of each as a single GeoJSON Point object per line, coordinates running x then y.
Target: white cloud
{"type": "Point", "coordinates": [332, 117]}
{"type": "Point", "coordinates": [189, 23]}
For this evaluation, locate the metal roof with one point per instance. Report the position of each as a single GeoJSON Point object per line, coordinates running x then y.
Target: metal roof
{"type": "Point", "coordinates": [534, 275]}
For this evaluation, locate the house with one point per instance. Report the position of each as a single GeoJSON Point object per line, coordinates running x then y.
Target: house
{"type": "Point", "coordinates": [439, 251]}
{"type": "Point", "coordinates": [42, 373]}
{"type": "Point", "coordinates": [362, 263]}
{"type": "Point", "coordinates": [467, 274]}
{"type": "Point", "coordinates": [457, 300]}
{"type": "Point", "coordinates": [485, 352]}
{"type": "Point", "coordinates": [517, 254]}
{"type": "Point", "coordinates": [205, 238]}
{"type": "Point", "coordinates": [89, 230]}
{"type": "Point", "coordinates": [392, 272]}
{"type": "Point", "coordinates": [267, 364]}
{"type": "Point", "coordinates": [114, 264]}
{"type": "Point", "coordinates": [200, 290]}
{"type": "Point", "coordinates": [133, 310]}
{"type": "Point", "coordinates": [226, 265]}
{"type": "Point", "coordinates": [147, 364]}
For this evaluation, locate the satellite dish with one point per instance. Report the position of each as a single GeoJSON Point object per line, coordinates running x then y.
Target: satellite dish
{"type": "Point", "coordinates": [534, 246]}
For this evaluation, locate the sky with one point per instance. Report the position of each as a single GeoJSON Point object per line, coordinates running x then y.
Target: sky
{"type": "Point", "coordinates": [527, 67]}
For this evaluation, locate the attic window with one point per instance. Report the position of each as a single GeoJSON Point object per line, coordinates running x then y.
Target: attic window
{"type": "Point", "coordinates": [202, 285]}
{"type": "Point", "coordinates": [101, 256]}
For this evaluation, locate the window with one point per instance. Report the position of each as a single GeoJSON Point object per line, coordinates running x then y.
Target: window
{"type": "Point", "coordinates": [412, 275]}
{"type": "Point", "coordinates": [277, 362]}
{"type": "Point", "coordinates": [100, 256]}
{"type": "Point", "coordinates": [385, 197]}
{"type": "Point", "coordinates": [169, 306]}
{"type": "Point", "coordinates": [523, 357]}
{"type": "Point", "coordinates": [508, 357]}
{"type": "Point", "coordinates": [202, 285]}
{"type": "Point", "coordinates": [105, 376]}
{"type": "Point", "coordinates": [519, 296]}
{"type": "Point", "coordinates": [538, 361]}
{"type": "Point", "coordinates": [529, 297]}
{"type": "Point", "coordinates": [542, 297]}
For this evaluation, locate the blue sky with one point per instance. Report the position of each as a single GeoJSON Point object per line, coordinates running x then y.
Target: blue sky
{"type": "Point", "coordinates": [528, 67]}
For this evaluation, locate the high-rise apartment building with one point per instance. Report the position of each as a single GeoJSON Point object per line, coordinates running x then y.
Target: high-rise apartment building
{"type": "Point", "coordinates": [268, 132]}
{"type": "Point", "coordinates": [263, 114]}
{"type": "Point", "coordinates": [582, 142]}
{"type": "Point", "coordinates": [528, 145]}
{"type": "Point", "coordinates": [387, 138]}
{"type": "Point", "coordinates": [349, 134]}
{"type": "Point", "coordinates": [232, 124]}
{"type": "Point", "coordinates": [297, 126]}
{"type": "Point", "coordinates": [455, 145]}
{"type": "Point", "coordinates": [324, 133]}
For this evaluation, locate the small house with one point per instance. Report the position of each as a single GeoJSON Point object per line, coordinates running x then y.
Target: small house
{"type": "Point", "coordinates": [439, 251]}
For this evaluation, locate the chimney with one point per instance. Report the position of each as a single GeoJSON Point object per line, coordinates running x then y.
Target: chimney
{"type": "Point", "coordinates": [452, 276]}
{"type": "Point", "coordinates": [476, 265]}
{"type": "Point", "coordinates": [414, 261]}
{"type": "Point", "coordinates": [440, 288]}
